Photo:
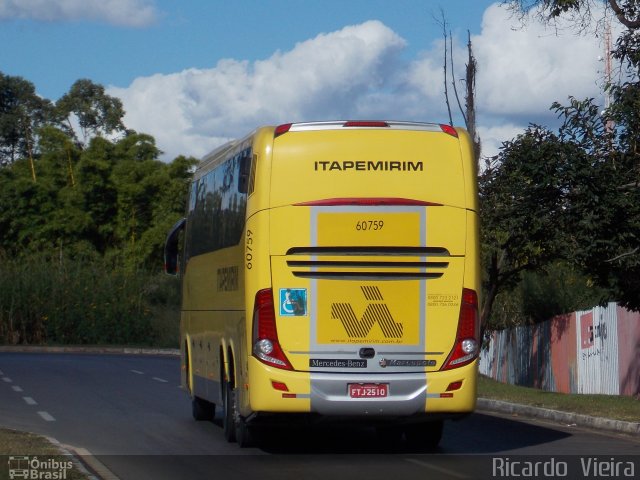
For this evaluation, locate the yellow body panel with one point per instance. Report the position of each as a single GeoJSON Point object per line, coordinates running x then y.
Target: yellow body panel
{"type": "Point", "coordinates": [381, 276]}
{"type": "Point", "coordinates": [335, 164]}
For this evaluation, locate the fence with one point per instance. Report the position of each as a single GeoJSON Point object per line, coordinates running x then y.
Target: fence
{"type": "Point", "coordinates": [592, 351]}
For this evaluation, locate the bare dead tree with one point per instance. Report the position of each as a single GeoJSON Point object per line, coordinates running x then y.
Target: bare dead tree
{"type": "Point", "coordinates": [470, 102]}
{"type": "Point", "coordinates": [453, 80]}
{"type": "Point", "coordinates": [471, 68]}
{"type": "Point", "coordinates": [443, 24]}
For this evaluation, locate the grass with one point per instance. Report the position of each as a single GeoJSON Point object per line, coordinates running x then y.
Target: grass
{"type": "Point", "coordinates": [14, 443]}
{"type": "Point", "coordinates": [608, 406]}
{"type": "Point", "coordinates": [62, 301]}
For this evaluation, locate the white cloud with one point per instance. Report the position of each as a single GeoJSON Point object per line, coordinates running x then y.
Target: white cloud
{"type": "Point", "coordinates": [326, 77]}
{"type": "Point", "coordinates": [358, 72]}
{"type": "Point", "coordinates": [525, 69]}
{"type": "Point", "coordinates": [129, 13]}
{"type": "Point", "coordinates": [493, 137]}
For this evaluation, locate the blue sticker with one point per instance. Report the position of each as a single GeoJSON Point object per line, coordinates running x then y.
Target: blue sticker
{"type": "Point", "coordinates": [293, 302]}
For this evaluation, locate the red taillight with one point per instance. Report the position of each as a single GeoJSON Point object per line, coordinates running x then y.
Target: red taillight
{"type": "Point", "coordinates": [454, 386]}
{"type": "Point", "coordinates": [280, 129]}
{"type": "Point", "coordinates": [367, 124]}
{"type": "Point", "coordinates": [366, 201]}
{"type": "Point", "coordinates": [266, 346]}
{"type": "Point", "coordinates": [467, 344]}
{"type": "Point", "coordinates": [279, 386]}
{"type": "Point", "coordinates": [448, 129]}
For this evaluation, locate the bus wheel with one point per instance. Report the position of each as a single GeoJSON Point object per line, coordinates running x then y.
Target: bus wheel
{"type": "Point", "coordinates": [202, 409]}
{"type": "Point", "coordinates": [424, 435]}
{"type": "Point", "coordinates": [389, 435]}
{"type": "Point", "coordinates": [245, 434]}
{"type": "Point", "coordinates": [228, 417]}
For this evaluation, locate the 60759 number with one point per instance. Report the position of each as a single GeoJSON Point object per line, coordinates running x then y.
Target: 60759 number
{"type": "Point", "coordinates": [369, 225]}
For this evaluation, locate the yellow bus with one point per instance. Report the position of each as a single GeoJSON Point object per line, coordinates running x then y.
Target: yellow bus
{"type": "Point", "coordinates": [330, 271]}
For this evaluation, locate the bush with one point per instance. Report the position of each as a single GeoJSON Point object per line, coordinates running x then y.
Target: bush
{"type": "Point", "coordinates": [541, 296]}
{"type": "Point", "coordinates": [45, 300]}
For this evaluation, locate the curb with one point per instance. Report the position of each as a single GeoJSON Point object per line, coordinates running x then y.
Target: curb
{"type": "Point", "coordinates": [567, 418]}
{"type": "Point", "coordinates": [75, 458]}
{"type": "Point", "coordinates": [90, 349]}
{"type": "Point", "coordinates": [86, 459]}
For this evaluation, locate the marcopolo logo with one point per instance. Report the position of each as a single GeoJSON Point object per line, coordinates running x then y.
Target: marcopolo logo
{"type": "Point", "coordinates": [35, 468]}
{"type": "Point", "coordinates": [376, 312]}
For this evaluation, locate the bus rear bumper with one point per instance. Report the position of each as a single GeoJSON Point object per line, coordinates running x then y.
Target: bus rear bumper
{"type": "Point", "coordinates": [443, 393]}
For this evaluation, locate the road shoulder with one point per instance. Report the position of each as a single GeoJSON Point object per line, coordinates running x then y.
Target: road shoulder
{"type": "Point", "coordinates": [566, 418]}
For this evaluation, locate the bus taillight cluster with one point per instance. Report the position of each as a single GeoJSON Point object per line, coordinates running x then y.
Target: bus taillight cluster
{"type": "Point", "coordinates": [266, 346]}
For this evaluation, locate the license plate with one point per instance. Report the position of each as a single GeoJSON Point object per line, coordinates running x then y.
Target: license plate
{"type": "Point", "coordinates": [368, 390]}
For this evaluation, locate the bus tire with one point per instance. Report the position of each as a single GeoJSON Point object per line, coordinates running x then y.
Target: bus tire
{"type": "Point", "coordinates": [389, 435]}
{"type": "Point", "coordinates": [245, 434]}
{"type": "Point", "coordinates": [424, 435]}
{"type": "Point", "coordinates": [228, 417]}
{"type": "Point", "coordinates": [202, 409]}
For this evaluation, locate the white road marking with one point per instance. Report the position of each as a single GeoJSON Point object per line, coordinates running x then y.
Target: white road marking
{"type": "Point", "coordinates": [436, 468]}
{"type": "Point", "coordinates": [29, 401]}
{"type": "Point", "coordinates": [47, 416]}
{"type": "Point", "coordinates": [160, 380]}
{"type": "Point", "coordinates": [16, 388]}
{"type": "Point", "coordinates": [137, 372]}
{"type": "Point", "coordinates": [7, 379]}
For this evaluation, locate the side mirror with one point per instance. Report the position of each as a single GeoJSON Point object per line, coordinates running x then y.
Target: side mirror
{"type": "Point", "coordinates": [245, 171]}
{"type": "Point", "coordinates": [171, 248]}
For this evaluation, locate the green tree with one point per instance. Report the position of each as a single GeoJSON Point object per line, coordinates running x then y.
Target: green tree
{"type": "Point", "coordinates": [627, 12]}
{"type": "Point", "coordinates": [605, 196]}
{"type": "Point", "coordinates": [96, 113]}
{"type": "Point", "coordinates": [570, 196]}
{"type": "Point", "coordinates": [136, 177]}
{"type": "Point", "coordinates": [523, 201]}
{"type": "Point", "coordinates": [24, 208]}
{"type": "Point", "coordinates": [573, 195]}
{"type": "Point", "coordinates": [150, 198]}
{"type": "Point", "coordinates": [22, 112]}
{"type": "Point", "coordinates": [96, 194]}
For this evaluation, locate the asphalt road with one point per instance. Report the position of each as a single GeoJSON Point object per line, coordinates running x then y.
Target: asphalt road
{"type": "Point", "coordinates": [130, 413]}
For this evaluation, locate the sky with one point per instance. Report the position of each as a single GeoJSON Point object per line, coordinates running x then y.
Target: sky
{"type": "Point", "coordinates": [197, 73]}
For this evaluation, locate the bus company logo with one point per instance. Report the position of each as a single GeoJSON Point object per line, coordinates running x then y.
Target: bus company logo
{"type": "Point", "coordinates": [368, 166]}
{"type": "Point", "coordinates": [376, 312]}
{"type": "Point", "coordinates": [37, 469]}
{"type": "Point", "coordinates": [227, 279]}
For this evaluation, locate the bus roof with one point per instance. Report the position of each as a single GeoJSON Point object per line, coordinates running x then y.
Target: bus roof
{"type": "Point", "coordinates": [365, 124]}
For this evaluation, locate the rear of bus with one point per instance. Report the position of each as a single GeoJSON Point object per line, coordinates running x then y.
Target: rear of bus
{"type": "Point", "coordinates": [368, 306]}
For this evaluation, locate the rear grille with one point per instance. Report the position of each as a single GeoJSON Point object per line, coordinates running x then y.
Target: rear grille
{"type": "Point", "coordinates": [373, 251]}
{"type": "Point", "coordinates": [382, 262]}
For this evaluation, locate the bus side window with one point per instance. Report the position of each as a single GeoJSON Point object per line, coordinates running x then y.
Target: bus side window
{"type": "Point", "coordinates": [245, 168]}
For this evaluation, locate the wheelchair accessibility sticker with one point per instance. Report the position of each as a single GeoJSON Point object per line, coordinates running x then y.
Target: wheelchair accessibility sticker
{"type": "Point", "coordinates": [293, 302]}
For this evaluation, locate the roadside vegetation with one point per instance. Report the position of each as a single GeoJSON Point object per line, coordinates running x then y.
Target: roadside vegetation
{"type": "Point", "coordinates": [85, 205]}
{"type": "Point", "coordinates": [608, 406]}
{"type": "Point", "coordinates": [79, 301]}
{"type": "Point", "coordinates": [21, 444]}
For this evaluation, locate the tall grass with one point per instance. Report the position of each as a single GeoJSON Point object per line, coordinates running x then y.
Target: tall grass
{"type": "Point", "coordinates": [46, 300]}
